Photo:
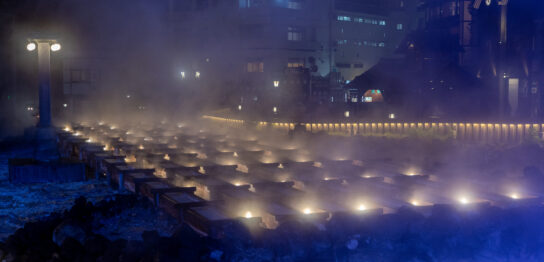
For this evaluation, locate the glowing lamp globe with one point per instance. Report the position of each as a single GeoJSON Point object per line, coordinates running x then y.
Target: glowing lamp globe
{"type": "Point", "coordinates": [31, 47]}
{"type": "Point", "coordinates": [55, 47]}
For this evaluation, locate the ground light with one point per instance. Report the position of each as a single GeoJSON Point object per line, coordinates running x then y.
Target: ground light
{"type": "Point", "coordinates": [463, 200]}
{"type": "Point", "coordinates": [248, 215]}
{"type": "Point", "coordinates": [361, 207]}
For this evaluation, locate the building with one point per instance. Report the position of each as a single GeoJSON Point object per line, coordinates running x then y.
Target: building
{"type": "Point", "coordinates": [495, 40]}
{"type": "Point", "coordinates": [257, 46]}
{"type": "Point", "coordinates": [363, 32]}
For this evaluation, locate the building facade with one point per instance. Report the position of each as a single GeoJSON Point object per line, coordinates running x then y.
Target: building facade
{"type": "Point", "coordinates": [261, 45]}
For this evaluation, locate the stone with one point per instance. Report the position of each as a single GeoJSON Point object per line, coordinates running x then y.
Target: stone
{"type": "Point", "coordinates": [68, 229]}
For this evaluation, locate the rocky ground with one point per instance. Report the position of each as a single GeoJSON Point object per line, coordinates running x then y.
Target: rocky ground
{"type": "Point", "coordinates": [52, 222]}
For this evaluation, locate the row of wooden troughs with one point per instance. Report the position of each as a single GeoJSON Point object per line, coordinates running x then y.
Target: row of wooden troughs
{"type": "Point", "coordinates": [484, 132]}
{"type": "Point", "coordinates": [210, 178]}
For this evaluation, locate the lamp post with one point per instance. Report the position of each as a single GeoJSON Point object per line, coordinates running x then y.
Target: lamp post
{"type": "Point", "coordinates": [44, 47]}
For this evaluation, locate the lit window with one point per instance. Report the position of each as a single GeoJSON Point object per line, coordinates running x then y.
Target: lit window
{"type": "Point", "coordinates": [399, 27]}
{"type": "Point", "coordinates": [344, 18]}
{"type": "Point", "coordinates": [295, 62]}
{"type": "Point", "coordinates": [358, 20]}
{"type": "Point", "coordinates": [382, 22]}
{"type": "Point", "coordinates": [382, 44]}
{"type": "Point", "coordinates": [342, 42]}
{"type": "Point", "coordinates": [294, 34]}
{"type": "Point", "coordinates": [249, 3]}
{"type": "Point", "coordinates": [255, 67]}
{"type": "Point", "coordinates": [294, 4]}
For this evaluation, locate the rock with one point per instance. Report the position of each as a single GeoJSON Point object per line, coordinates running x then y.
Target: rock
{"type": "Point", "coordinates": [68, 229]}
{"type": "Point", "coordinates": [71, 249]}
{"type": "Point", "coordinates": [352, 244]}
{"type": "Point", "coordinates": [151, 238]}
{"type": "Point", "coordinates": [187, 237]}
{"type": "Point", "coordinates": [96, 245]}
{"type": "Point", "coordinates": [216, 255]}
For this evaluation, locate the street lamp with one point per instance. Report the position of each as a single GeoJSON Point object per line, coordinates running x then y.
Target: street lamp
{"type": "Point", "coordinates": [44, 47]}
{"type": "Point", "coordinates": [276, 83]}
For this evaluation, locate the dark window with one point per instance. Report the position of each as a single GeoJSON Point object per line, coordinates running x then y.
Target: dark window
{"type": "Point", "coordinates": [343, 65]}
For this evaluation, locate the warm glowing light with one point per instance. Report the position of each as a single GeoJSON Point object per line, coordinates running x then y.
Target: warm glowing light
{"type": "Point", "coordinates": [65, 105]}
{"type": "Point", "coordinates": [346, 114]}
{"type": "Point", "coordinates": [414, 203]}
{"type": "Point", "coordinates": [235, 154]}
{"type": "Point", "coordinates": [67, 129]}
{"type": "Point", "coordinates": [90, 140]}
{"type": "Point", "coordinates": [130, 159]}
{"type": "Point", "coordinates": [237, 184]}
{"type": "Point", "coordinates": [31, 47]}
{"type": "Point", "coordinates": [239, 107]}
{"type": "Point", "coordinates": [411, 174]}
{"type": "Point", "coordinates": [113, 127]}
{"type": "Point", "coordinates": [248, 215]}
{"type": "Point", "coordinates": [275, 109]}
{"type": "Point", "coordinates": [514, 196]}
{"type": "Point", "coordinates": [361, 207]}
{"type": "Point", "coordinates": [276, 83]}
{"type": "Point", "coordinates": [166, 157]}
{"type": "Point", "coordinates": [280, 165]}
{"type": "Point", "coordinates": [197, 74]}
{"type": "Point", "coordinates": [55, 47]}
{"type": "Point", "coordinates": [182, 75]}
{"type": "Point", "coordinates": [391, 116]}
{"type": "Point", "coordinates": [307, 211]}
{"type": "Point", "coordinates": [463, 200]}
{"type": "Point", "coordinates": [141, 147]}
{"type": "Point", "coordinates": [77, 134]}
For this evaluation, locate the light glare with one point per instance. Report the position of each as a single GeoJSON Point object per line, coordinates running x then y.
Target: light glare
{"type": "Point", "coordinates": [55, 47]}
{"type": "Point", "coordinates": [31, 47]}
{"type": "Point", "coordinates": [248, 215]}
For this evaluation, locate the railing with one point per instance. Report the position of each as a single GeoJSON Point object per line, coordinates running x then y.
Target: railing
{"type": "Point", "coordinates": [491, 132]}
